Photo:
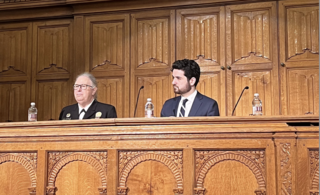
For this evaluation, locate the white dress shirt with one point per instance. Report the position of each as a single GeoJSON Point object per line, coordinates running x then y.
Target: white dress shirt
{"type": "Point", "coordinates": [188, 104]}
{"type": "Point", "coordinates": [86, 109]}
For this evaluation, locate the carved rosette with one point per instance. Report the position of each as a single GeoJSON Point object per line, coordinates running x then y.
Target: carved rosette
{"type": "Point", "coordinates": [253, 159]}
{"type": "Point", "coordinates": [199, 191]}
{"type": "Point", "coordinates": [129, 159]}
{"type": "Point", "coordinates": [28, 161]}
{"type": "Point", "coordinates": [286, 168]}
{"type": "Point", "coordinates": [314, 170]}
{"type": "Point", "coordinates": [57, 160]}
{"type": "Point", "coordinates": [178, 191]}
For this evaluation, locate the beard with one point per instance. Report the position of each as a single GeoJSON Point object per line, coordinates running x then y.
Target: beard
{"type": "Point", "coordinates": [182, 90]}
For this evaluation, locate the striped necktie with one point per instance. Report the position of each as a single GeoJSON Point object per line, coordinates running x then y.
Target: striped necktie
{"type": "Point", "coordinates": [82, 113]}
{"type": "Point", "coordinates": [183, 108]}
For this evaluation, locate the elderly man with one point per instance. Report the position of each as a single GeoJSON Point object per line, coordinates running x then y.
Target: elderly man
{"type": "Point", "coordinates": [85, 89]}
{"type": "Point", "coordinates": [186, 75]}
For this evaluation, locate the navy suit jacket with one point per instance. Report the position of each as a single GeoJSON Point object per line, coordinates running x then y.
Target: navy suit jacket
{"type": "Point", "coordinates": [202, 106]}
{"type": "Point", "coordinates": [107, 111]}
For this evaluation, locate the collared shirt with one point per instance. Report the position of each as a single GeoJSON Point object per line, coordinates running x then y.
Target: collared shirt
{"type": "Point", "coordinates": [188, 104]}
{"type": "Point", "coordinates": [86, 109]}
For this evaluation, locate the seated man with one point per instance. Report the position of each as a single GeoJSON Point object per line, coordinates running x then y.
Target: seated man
{"type": "Point", "coordinates": [85, 89]}
{"type": "Point", "coordinates": [186, 75]}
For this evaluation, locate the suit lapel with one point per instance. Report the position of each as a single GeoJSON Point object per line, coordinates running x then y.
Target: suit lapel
{"type": "Point", "coordinates": [196, 104]}
{"type": "Point", "coordinates": [176, 105]}
{"type": "Point", "coordinates": [91, 110]}
{"type": "Point", "coordinates": [75, 112]}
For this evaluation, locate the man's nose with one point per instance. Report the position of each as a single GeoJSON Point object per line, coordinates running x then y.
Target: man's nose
{"type": "Point", "coordinates": [173, 81]}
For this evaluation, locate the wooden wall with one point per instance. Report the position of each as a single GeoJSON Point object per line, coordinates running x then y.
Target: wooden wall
{"type": "Point", "coordinates": [270, 46]}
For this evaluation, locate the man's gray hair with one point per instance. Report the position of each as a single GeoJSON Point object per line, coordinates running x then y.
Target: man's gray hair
{"type": "Point", "coordinates": [92, 79]}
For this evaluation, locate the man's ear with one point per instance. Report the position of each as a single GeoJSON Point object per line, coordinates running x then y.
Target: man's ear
{"type": "Point", "coordinates": [94, 91]}
{"type": "Point", "coordinates": [192, 81]}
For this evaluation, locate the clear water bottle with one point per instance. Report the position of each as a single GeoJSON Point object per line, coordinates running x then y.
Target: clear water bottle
{"type": "Point", "coordinates": [256, 105]}
{"type": "Point", "coordinates": [149, 109]}
{"type": "Point", "coordinates": [32, 112]}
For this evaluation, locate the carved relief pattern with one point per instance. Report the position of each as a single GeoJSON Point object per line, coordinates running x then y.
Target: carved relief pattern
{"type": "Point", "coordinates": [111, 91]}
{"type": "Point", "coordinates": [153, 43]}
{"type": "Point", "coordinates": [107, 46]}
{"type": "Point", "coordinates": [129, 159]}
{"type": "Point", "coordinates": [57, 160]}
{"type": "Point", "coordinates": [53, 46]}
{"type": "Point", "coordinates": [286, 169]}
{"type": "Point", "coordinates": [13, 50]}
{"type": "Point", "coordinates": [303, 90]}
{"type": "Point", "coordinates": [253, 159]}
{"type": "Point", "coordinates": [27, 160]}
{"type": "Point", "coordinates": [251, 31]}
{"type": "Point", "coordinates": [12, 101]}
{"type": "Point", "coordinates": [314, 169]}
{"type": "Point", "coordinates": [198, 31]}
{"type": "Point", "coordinates": [178, 191]}
{"type": "Point", "coordinates": [302, 30]}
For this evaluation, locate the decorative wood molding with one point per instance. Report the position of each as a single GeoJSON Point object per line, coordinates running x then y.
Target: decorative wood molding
{"type": "Point", "coordinates": [260, 192]}
{"type": "Point", "coordinates": [105, 65]}
{"type": "Point", "coordinates": [129, 159]}
{"type": "Point", "coordinates": [178, 191]}
{"type": "Point", "coordinates": [202, 61]}
{"type": "Point", "coordinates": [32, 190]}
{"type": "Point", "coordinates": [27, 160]}
{"type": "Point", "coordinates": [53, 69]}
{"type": "Point", "coordinates": [51, 190]}
{"type": "Point", "coordinates": [286, 168]}
{"type": "Point", "coordinates": [102, 191]}
{"type": "Point", "coordinates": [122, 190]}
{"type": "Point", "coordinates": [314, 192]}
{"type": "Point", "coordinates": [57, 160]}
{"type": "Point", "coordinates": [199, 191]}
{"type": "Point", "coordinates": [12, 72]}
{"type": "Point", "coordinates": [253, 159]}
{"type": "Point", "coordinates": [314, 170]}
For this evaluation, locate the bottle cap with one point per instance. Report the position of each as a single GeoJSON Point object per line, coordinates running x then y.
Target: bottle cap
{"type": "Point", "coordinates": [256, 94]}
{"type": "Point", "coordinates": [149, 99]}
{"type": "Point", "coordinates": [33, 104]}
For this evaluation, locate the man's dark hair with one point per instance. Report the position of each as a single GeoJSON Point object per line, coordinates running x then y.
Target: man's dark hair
{"type": "Point", "coordinates": [190, 68]}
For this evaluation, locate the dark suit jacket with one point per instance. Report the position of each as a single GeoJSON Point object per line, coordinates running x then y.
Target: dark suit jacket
{"type": "Point", "coordinates": [202, 106]}
{"type": "Point", "coordinates": [107, 111]}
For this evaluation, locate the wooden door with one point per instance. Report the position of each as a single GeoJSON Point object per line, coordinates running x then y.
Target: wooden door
{"type": "Point", "coordinates": [299, 57]}
{"type": "Point", "coordinates": [152, 54]}
{"type": "Point", "coordinates": [201, 37]}
{"type": "Point", "coordinates": [252, 57]}
{"type": "Point", "coordinates": [107, 58]}
{"type": "Point", "coordinates": [15, 70]}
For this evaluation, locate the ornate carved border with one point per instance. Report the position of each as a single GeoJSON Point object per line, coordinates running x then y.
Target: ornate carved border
{"type": "Point", "coordinates": [286, 168]}
{"type": "Point", "coordinates": [128, 160]}
{"type": "Point", "coordinates": [78, 156]}
{"type": "Point", "coordinates": [27, 160]}
{"type": "Point", "coordinates": [314, 170]}
{"type": "Point", "coordinates": [240, 156]}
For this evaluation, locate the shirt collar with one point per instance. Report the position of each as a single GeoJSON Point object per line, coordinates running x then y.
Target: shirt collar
{"type": "Point", "coordinates": [191, 97]}
{"type": "Point", "coordinates": [85, 108]}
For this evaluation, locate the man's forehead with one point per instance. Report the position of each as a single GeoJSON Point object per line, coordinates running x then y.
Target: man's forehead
{"type": "Point", "coordinates": [177, 72]}
{"type": "Point", "coordinates": [83, 80]}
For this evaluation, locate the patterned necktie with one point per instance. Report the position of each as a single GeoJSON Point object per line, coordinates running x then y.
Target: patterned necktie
{"type": "Point", "coordinates": [82, 113]}
{"type": "Point", "coordinates": [183, 108]}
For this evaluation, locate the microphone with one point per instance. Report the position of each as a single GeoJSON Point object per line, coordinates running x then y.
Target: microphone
{"type": "Point", "coordinates": [135, 110]}
{"type": "Point", "coordinates": [239, 99]}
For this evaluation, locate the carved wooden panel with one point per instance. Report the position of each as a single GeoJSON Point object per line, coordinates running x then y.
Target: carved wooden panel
{"type": "Point", "coordinates": [251, 38]}
{"type": "Point", "coordinates": [258, 82]}
{"type": "Point", "coordinates": [14, 104]}
{"type": "Point", "coordinates": [254, 160]}
{"type": "Point", "coordinates": [112, 91]}
{"type": "Point", "coordinates": [15, 48]}
{"type": "Point", "coordinates": [18, 173]}
{"type": "Point", "coordinates": [314, 170]}
{"type": "Point", "coordinates": [302, 32]}
{"type": "Point", "coordinates": [303, 91]}
{"type": "Point", "coordinates": [171, 160]}
{"type": "Point", "coordinates": [201, 37]}
{"type": "Point", "coordinates": [52, 44]}
{"type": "Point", "coordinates": [158, 88]}
{"type": "Point", "coordinates": [51, 97]}
{"type": "Point", "coordinates": [72, 177]}
{"type": "Point", "coordinates": [286, 169]}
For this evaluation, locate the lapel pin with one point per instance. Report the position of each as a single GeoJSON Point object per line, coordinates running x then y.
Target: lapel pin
{"type": "Point", "coordinates": [68, 116]}
{"type": "Point", "coordinates": [98, 115]}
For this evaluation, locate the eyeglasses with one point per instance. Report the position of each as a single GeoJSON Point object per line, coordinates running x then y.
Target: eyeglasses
{"type": "Point", "coordinates": [82, 86]}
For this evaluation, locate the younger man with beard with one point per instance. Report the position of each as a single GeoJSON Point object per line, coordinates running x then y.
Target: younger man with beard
{"type": "Point", "coordinates": [186, 75]}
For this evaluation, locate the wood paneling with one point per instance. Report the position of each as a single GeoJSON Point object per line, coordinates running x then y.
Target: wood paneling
{"type": "Point", "coordinates": [107, 58]}
{"type": "Point", "coordinates": [251, 32]}
{"type": "Point", "coordinates": [14, 104]}
{"type": "Point", "coordinates": [152, 51]}
{"type": "Point", "coordinates": [299, 57]}
{"type": "Point", "coordinates": [51, 97]}
{"type": "Point", "coordinates": [201, 37]}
